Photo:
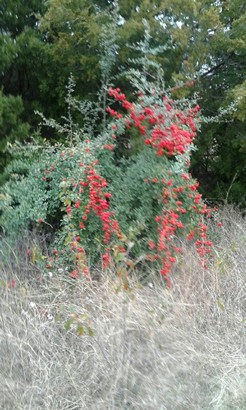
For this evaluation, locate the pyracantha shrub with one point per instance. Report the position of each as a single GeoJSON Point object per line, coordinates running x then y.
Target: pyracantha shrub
{"type": "Point", "coordinates": [101, 204]}
{"type": "Point", "coordinates": [107, 208]}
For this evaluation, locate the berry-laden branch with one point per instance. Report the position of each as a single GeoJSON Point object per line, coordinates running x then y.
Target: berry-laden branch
{"type": "Point", "coordinates": [170, 132]}
{"type": "Point", "coordinates": [95, 200]}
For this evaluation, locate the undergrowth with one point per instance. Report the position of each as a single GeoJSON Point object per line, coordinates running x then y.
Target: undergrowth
{"type": "Point", "coordinates": [94, 345]}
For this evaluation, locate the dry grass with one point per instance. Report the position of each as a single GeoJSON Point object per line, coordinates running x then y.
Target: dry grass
{"type": "Point", "coordinates": [151, 348]}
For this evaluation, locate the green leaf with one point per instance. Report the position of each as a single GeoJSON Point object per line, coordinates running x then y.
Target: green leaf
{"type": "Point", "coordinates": [80, 329]}
{"type": "Point", "coordinates": [68, 324]}
{"type": "Point", "coordinates": [90, 331]}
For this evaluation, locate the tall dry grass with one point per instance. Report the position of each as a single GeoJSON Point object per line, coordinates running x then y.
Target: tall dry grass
{"type": "Point", "coordinates": [149, 348]}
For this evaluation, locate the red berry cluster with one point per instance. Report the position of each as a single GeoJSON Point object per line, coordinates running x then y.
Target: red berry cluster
{"type": "Point", "coordinates": [98, 203]}
{"type": "Point", "coordinates": [168, 222]}
{"type": "Point", "coordinates": [168, 135]}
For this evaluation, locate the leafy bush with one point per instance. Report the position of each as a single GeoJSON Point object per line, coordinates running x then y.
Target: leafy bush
{"type": "Point", "coordinates": [102, 207]}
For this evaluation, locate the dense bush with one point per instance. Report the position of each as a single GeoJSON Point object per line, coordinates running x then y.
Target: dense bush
{"type": "Point", "coordinates": [102, 206]}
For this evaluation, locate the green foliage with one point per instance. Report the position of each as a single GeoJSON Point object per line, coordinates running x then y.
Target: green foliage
{"type": "Point", "coordinates": [221, 155]}
{"type": "Point", "coordinates": [239, 94]}
{"type": "Point", "coordinates": [33, 190]}
{"type": "Point", "coordinates": [11, 125]}
{"type": "Point", "coordinates": [137, 199]}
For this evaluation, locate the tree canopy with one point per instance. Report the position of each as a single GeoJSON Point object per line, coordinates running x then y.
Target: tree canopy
{"type": "Point", "coordinates": [201, 42]}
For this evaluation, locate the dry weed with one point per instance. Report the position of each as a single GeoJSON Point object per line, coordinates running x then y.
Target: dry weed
{"type": "Point", "coordinates": [148, 348]}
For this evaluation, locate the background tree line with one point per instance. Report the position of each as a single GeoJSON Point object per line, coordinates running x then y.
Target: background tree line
{"type": "Point", "coordinates": [202, 49]}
